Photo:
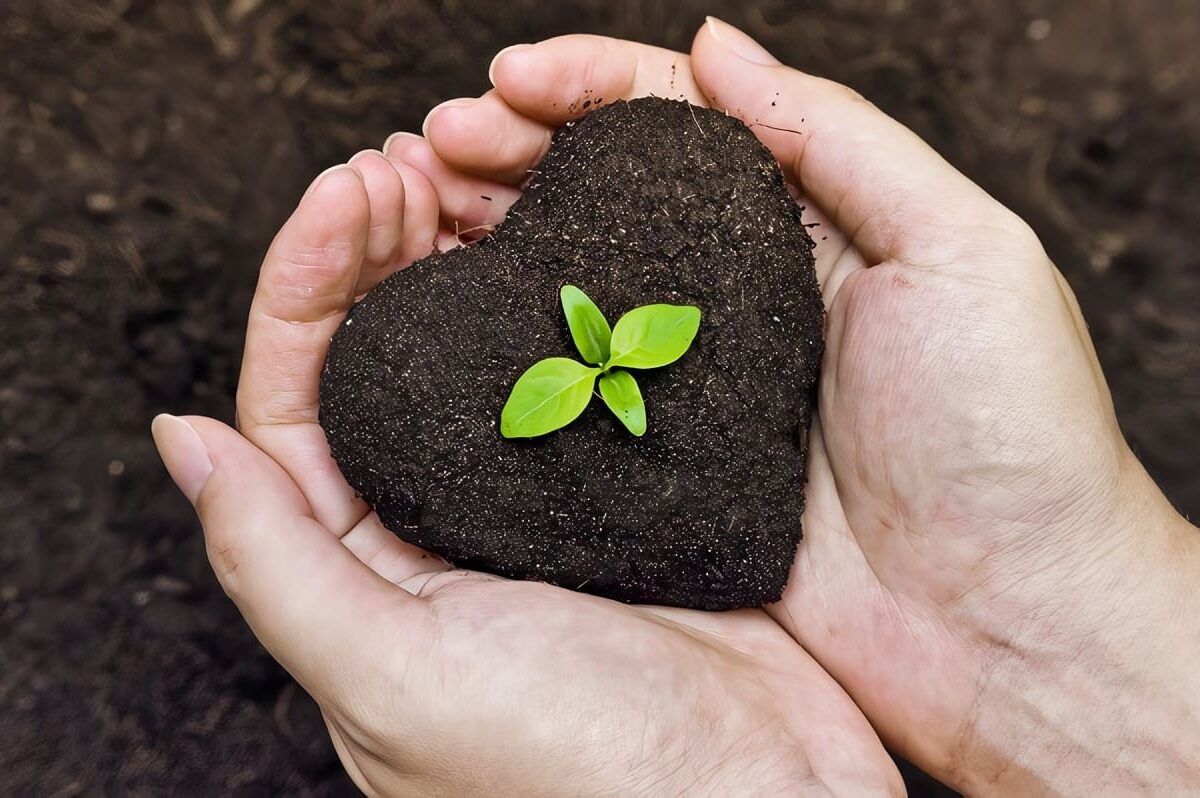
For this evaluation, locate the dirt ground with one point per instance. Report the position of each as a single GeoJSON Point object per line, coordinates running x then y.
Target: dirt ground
{"type": "Point", "coordinates": [149, 150]}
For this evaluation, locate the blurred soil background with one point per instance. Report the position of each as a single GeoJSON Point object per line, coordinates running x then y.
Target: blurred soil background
{"type": "Point", "coordinates": [149, 150]}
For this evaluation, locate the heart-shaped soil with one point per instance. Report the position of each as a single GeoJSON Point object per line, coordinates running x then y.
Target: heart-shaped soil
{"type": "Point", "coordinates": [649, 201]}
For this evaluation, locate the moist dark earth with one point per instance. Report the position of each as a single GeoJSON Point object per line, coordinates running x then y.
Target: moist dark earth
{"type": "Point", "coordinates": [636, 203]}
{"type": "Point", "coordinates": [150, 150]}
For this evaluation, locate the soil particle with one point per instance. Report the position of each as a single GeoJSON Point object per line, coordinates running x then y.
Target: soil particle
{"type": "Point", "coordinates": [638, 202]}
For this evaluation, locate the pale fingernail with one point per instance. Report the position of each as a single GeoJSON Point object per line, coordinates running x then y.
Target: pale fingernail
{"type": "Point", "coordinates": [739, 43]}
{"type": "Point", "coordinates": [358, 156]}
{"type": "Point", "coordinates": [510, 49]}
{"type": "Point", "coordinates": [317, 180]}
{"type": "Point", "coordinates": [182, 452]}
{"type": "Point", "coordinates": [459, 102]}
{"type": "Point", "coordinates": [396, 138]}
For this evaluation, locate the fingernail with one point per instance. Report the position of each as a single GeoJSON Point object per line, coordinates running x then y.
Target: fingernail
{"type": "Point", "coordinates": [358, 156]}
{"type": "Point", "coordinates": [316, 182]}
{"type": "Point", "coordinates": [739, 43]}
{"type": "Point", "coordinates": [182, 452]}
{"type": "Point", "coordinates": [492, 66]}
{"type": "Point", "coordinates": [460, 102]}
{"type": "Point", "coordinates": [395, 138]}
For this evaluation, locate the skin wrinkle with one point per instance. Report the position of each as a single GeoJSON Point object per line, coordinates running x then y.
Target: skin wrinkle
{"type": "Point", "coordinates": [261, 315]}
{"type": "Point", "coordinates": [225, 563]}
{"type": "Point", "coordinates": [1084, 650]}
{"type": "Point", "coordinates": [964, 754]}
{"type": "Point", "coordinates": [344, 755]}
{"type": "Point", "coordinates": [1011, 754]}
{"type": "Point", "coordinates": [852, 236]}
{"type": "Point", "coordinates": [648, 756]}
{"type": "Point", "coordinates": [302, 270]}
{"type": "Point", "coordinates": [250, 422]}
{"type": "Point", "coordinates": [368, 517]}
{"type": "Point", "coordinates": [848, 253]}
{"type": "Point", "coordinates": [633, 74]}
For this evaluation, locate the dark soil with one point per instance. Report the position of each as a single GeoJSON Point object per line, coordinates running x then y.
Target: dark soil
{"type": "Point", "coordinates": [640, 202]}
{"type": "Point", "coordinates": [149, 151]}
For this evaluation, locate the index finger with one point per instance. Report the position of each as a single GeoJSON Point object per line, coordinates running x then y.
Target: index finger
{"type": "Point", "coordinates": [539, 87]}
{"type": "Point", "coordinates": [305, 287]}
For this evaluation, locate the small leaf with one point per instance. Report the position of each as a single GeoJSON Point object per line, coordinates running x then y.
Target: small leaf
{"type": "Point", "coordinates": [588, 326]}
{"type": "Point", "coordinates": [621, 394]}
{"type": "Point", "coordinates": [549, 395]}
{"type": "Point", "coordinates": [653, 335]}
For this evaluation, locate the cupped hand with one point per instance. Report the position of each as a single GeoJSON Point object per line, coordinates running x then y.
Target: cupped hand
{"type": "Point", "coordinates": [441, 681]}
{"type": "Point", "coordinates": [986, 567]}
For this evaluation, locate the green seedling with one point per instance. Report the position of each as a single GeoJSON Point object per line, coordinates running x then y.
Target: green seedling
{"type": "Point", "coordinates": [553, 392]}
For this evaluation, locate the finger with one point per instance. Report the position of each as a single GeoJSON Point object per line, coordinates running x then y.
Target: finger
{"type": "Point", "coordinates": [387, 555]}
{"type": "Point", "coordinates": [877, 181]}
{"type": "Point", "coordinates": [306, 285]}
{"type": "Point", "coordinates": [315, 607]}
{"type": "Point", "coordinates": [466, 203]}
{"type": "Point", "coordinates": [565, 77]}
{"type": "Point", "coordinates": [833, 254]}
{"type": "Point", "coordinates": [486, 138]}
{"type": "Point", "coordinates": [385, 196]}
{"type": "Point", "coordinates": [420, 209]}
{"type": "Point", "coordinates": [462, 131]}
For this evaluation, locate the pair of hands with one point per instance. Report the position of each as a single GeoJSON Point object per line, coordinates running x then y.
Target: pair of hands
{"type": "Point", "coordinates": [989, 582]}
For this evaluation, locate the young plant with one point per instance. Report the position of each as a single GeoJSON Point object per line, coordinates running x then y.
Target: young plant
{"type": "Point", "coordinates": [553, 392]}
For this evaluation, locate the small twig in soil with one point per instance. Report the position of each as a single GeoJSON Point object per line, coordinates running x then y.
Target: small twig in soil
{"type": "Point", "coordinates": [458, 234]}
{"type": "Point", "coordinates": [697, 121]}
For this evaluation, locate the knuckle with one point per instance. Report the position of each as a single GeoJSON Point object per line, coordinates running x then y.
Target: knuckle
{"type": "Point", "coordinates": [1009, 239]}
{"type": "Point", "coordinates": [1021, 233]}
{"type": "Point", "coordinates": [306, 280]}
{"type": "Point", "coordinates": [844, 92]}
{"type": "Point", "coordinates": [282, 409]}
{"type": "Point", "coordinates": [305, 267]}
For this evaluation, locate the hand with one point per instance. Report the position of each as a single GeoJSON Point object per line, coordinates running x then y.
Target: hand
{"type": "Point", "coordinates": [439, 681]}
{"type": "Point", "coordinates": [986, 567]}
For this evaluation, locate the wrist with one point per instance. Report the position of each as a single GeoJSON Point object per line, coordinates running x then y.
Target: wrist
{"type": "Point", "coordinates": [1099, 683]}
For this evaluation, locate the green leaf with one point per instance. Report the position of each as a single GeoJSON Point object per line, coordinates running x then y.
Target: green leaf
{"type": "Point", "coordinates": [621, 394]}
{"type": "Point", "coordinates": [588, 326]}
{"type": "Point", "coordinates": [653, 336]}
{"type": "Point", "coordinates": [549, 395]}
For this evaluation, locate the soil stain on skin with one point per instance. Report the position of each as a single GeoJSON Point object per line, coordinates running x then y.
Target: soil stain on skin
{"type": "Point", "coordinates": [638, 202]}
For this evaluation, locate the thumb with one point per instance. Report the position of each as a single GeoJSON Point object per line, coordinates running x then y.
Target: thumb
{"type": "Point", "coordinates": [310, 601]}
{"type": "Point", "coordinates": [874, 178]}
